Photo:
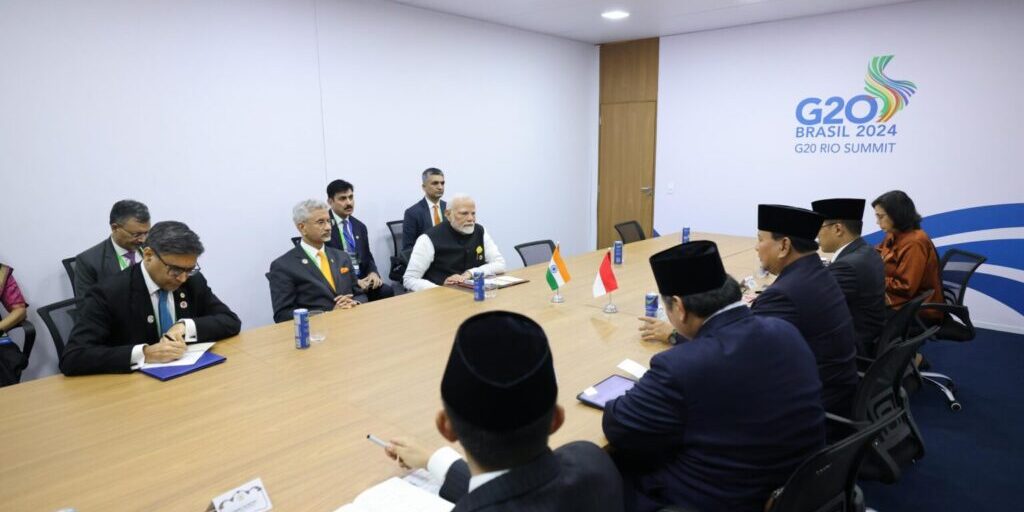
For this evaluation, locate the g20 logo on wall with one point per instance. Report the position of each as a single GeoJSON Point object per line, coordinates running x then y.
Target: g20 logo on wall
{"type": "Point", "coordinates": [866, 118]}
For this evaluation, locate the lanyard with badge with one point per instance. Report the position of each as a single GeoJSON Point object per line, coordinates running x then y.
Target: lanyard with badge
{"type": "Point", "coordinates": [123, 262]}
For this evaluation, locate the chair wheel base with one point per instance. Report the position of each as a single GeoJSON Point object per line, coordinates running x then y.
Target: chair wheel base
{"type": "Point", "coordinates": [955, 406]}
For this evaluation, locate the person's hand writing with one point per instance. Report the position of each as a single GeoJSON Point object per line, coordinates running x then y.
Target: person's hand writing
{"type": "Point", "coordinates": [164, 351]}
{"type": "Point", "coordinates": [176, 332]}
{"type": "Point", "coordinates": [652, 329]}
{"type": "Point", "coordinates": [409, 452]}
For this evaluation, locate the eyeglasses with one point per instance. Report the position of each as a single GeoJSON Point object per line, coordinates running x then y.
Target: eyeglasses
{"type": "Point", "coordinates": [141, 235]}
{"type": "Point", "coordinates": [174, 270]}
{"type": "Point", "coordinates": [827, 224]}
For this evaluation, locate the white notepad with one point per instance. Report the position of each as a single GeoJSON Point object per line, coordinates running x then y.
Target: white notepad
{"type": "Point", "coordinates": [397, 495]}
{"type": "Point", "coordinates": [191, 355]}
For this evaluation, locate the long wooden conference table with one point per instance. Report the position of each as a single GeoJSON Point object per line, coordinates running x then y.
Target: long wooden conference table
{"type": "Point", "coordinates": [298, 419]}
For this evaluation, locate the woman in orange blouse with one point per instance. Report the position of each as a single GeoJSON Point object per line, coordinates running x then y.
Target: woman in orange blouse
{"type": "Point", "coordinates": [911, 262]}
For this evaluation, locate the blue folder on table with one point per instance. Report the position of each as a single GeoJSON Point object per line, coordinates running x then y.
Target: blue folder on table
{"type": "Point", "coordinates": [171, 372]}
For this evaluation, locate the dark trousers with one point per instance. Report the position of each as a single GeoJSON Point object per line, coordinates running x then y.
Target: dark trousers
{"type": "Point", "coordinates": [383, 292]}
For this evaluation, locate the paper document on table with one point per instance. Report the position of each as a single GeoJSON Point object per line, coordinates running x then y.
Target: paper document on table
{"type": "Point", "coordinates": [190, 357]}
{"type": "Point", "coordinates": [633, 368]}
{"type": "Point", "coordinates": [424, 480]}
{"type": "Point", "coordinates": [396, 495]}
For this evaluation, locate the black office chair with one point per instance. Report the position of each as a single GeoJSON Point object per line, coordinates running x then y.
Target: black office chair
{"type": "Point", "coordinates": [69, 267]}
{"type": "Point", "coordinates": [880, 394]}
{"type": "Point", "coordinates": [630, 231]}
{"type": "Point", "coordinates": [956, 268]}
{"type": "Point", "coordinates": [897, 328]}
{"type": "Point", "coordinates": [827, 481]}
{"type": "Point", "coordinates": [535, 252]}
{"type": "Point", "coordinates": [60, 318]}
{"type": "Point", "coordinates": [15, 363]}
{"type": "Point", "coordinates": [398, 262]}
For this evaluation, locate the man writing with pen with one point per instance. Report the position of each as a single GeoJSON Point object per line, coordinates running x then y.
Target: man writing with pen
{"type": "Point", "coordinates": [148, 313]}
{"type": "Point", "coordinates": [311, 275]}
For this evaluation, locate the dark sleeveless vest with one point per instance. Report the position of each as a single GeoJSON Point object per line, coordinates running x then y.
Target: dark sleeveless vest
{"type": "Point", "coordinates": [454, 253]}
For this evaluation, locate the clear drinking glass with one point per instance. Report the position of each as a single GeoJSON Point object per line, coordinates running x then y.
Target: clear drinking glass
{"type": "Point", "coordinates": [490, 289]}
{"type": "Point", "coordinates": [317, 326]}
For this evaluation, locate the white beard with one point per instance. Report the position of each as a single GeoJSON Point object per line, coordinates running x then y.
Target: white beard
{"type": "Point", "coordinates": [466, 230]}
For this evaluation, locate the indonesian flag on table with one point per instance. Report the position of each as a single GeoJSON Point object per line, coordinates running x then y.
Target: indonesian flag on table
{"type": "Point", "coordinates": [558, 273]}
{"type": "Point", "coordinates": [605, 281]}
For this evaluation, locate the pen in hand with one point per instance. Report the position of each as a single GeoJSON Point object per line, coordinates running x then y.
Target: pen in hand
{"type": "Point", "coordinates": [377, 441]}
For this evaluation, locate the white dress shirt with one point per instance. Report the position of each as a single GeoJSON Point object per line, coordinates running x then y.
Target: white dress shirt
{"type": "Point", "coordinates": [138, 356]}
{"type": "Point", "coordinates": [430, 209]}
{"type": "Point", "coordinates": [839, 250]}
{"type": "Point", "coordinates": [423, 255]}
{"type": "Point", "coordinates": [123, 253]}
{"type": "Point", "coordinates": [441, 461]}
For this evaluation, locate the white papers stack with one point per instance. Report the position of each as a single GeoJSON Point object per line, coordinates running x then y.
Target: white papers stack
{"type": "Point", "coordinates": [396, 495]}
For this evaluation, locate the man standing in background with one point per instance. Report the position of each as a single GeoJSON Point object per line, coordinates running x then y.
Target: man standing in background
{"type": "Point", "coordinates": [427, 212]}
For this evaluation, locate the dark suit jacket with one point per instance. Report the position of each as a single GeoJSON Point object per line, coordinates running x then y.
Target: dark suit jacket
{"type": "Point", "coordinates": [296, 282]}
{"type": "Point", "coordinates": [366, 263]}
{"type": "Point", "coordinates": [418, 218]}
{"type": "Point", "coordinates": [117, 314]}
{"type": "Point", "coordinates": [721, 420]}
{"type": "Point", "coordinates": [576, 477]}
{"type": "Point", "coordinates": [94, 265]}
{"type": "Point", "coordinates": [806, 295]}
{"type": "Point", "coordinates": [861, 276]}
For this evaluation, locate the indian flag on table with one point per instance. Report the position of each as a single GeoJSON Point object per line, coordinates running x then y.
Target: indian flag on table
{"type": "Point", "coordinates": [558, 273]}
{"type": "Point", "coordinates": [605, 281]}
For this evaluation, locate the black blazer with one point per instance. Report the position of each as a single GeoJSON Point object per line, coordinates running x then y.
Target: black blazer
{"type": "Point", "coordinates": [418, 219]}
{"type": "Point", "coordinates": [296, 282]}
{"type": "Point", "coordinates": [806, 295]}
{"type": "Point", "coordinates": [94, 265]}
{"type": "Point", "coordinates": [576, 477]}
{"type": "Point", "coordinates": [117, 314]}
{"type": "Point", "coordinates": [366, 263]}
{"type": "Point", "coordinates": [860, 273]}
{"type": "Point", "coordinates": [719, 421]}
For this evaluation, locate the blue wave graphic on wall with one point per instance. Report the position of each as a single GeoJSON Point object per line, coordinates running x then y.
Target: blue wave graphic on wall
{"type": "Point", "coordinates": [1002, 252]}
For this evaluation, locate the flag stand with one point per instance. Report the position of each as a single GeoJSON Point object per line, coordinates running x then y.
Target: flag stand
{"type": "Point", "coordinates": [557, 298]}
{"type": "Point", "coordinates": [610, 308]}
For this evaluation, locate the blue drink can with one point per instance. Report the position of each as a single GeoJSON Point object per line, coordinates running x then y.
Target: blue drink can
{"type": "Point", "coordinates": [478, 286]}
{"type": "Point", "coordinates": [686, 234]}
{"type": "Point", "coordinates": [301, 317]}
{"type": "Point", "coordinates": [617, 252]}
{"type": "Point", "coordinates": [651, 305]}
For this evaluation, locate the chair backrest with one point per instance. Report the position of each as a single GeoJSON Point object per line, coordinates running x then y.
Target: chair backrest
{"type": "Point", "coordinates": [879, 394]}
{"type": "Point", "coordinates": [956, 269]}
{"type": "Point", "coordinates": [536, 252]}
{"type": "Point", "coordinates": [296, 240]}
{"type": "Point", "coordinates": [630, 231]}
{"type": "Point", "coordinates": [900, 323]}
{"type": "Point", "coordinates": [395, 226]}
{"type": "Point", "coordinates": [60, 318]}
{"type": "Point", "coordinates": [825, 481]}
{"type": "Point", "coordinates": [69, 267]}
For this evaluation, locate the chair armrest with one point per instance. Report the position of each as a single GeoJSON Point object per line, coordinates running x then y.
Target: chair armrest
{"type": "Point", "coordinates": [957, 310]}
{"type": "Point", "coordinates": [30, 338]}
{"type": "Point", "coordinates": [847, 421]}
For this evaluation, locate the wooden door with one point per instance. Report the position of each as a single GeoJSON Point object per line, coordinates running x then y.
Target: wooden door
{"type": "Point", "coordinates": [625, 186]}
{"type": "Point", "coordinates": [629, 105]}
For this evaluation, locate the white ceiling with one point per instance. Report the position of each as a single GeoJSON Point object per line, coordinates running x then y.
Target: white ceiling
{"type": "Point", "coordinates": [581, 20]}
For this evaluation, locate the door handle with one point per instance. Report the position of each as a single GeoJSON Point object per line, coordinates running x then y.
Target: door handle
{"type": "Point", "coordinates": [647, 190]}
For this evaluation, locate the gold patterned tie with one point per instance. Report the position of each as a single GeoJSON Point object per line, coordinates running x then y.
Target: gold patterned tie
{"type": "Point", "coordinates": [325, 269]}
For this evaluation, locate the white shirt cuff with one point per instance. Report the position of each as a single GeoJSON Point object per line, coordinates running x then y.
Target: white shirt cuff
{"type": "Point", "coordinates": [190, 329]}
{"type": "Point", "coordinates": [441, 461]}
{"type": "Point", "coordinates": [138, 356]}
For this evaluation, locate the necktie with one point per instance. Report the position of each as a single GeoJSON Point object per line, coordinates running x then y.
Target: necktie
{"type": "Point", "coordinates": [346, 232]}
{"type": "Point", "coordinates": [164, 311]}
{"type": "Point", "coordinates": [325, 269]}
{"type": "Point", "coordinates": [437, 217]}
{"type": "Point", "coordinates": [130, 256]}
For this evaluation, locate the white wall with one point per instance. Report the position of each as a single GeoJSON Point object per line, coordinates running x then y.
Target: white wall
{"type": "Point", "coordinates": [225, 114]}
{"type": "Point", "coordinates": [727, 118]}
